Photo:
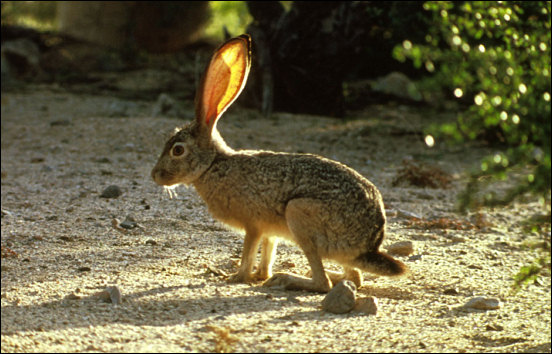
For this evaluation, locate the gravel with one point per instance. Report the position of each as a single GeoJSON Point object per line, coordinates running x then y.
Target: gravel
{"type": "Point", "coordinates": [60, 246]}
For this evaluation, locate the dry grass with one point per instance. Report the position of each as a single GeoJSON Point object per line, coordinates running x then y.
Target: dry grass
{"type": "Point", "coordinates": [421, 175]}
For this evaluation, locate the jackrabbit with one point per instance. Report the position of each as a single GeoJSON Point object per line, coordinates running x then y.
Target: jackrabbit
{"type": "Point", "coordinates": [325, 207]}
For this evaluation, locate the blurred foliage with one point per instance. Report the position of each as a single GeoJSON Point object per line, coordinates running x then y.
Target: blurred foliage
{"type": "Point", "coordinates": [232, 15]}
{"type": "Point", "coordinates": [42, 15]}
{"type": "Point", "coordinates": [35, 14]}
{"type": "Point", "coordinates": [385, 24]}
{"type": "Point", "coordinates": [529, 274]}
{"type": "Point", "coordinates": [495, 58]}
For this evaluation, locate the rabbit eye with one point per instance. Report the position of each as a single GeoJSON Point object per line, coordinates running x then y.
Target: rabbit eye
{"type": "Point", "coordinates": [177, 150]}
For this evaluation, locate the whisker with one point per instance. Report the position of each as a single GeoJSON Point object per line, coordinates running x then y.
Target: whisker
{"type": "Point", "coordinates": [170, 191]}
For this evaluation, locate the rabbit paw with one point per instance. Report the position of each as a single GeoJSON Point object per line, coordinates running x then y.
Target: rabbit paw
{"type": "Point", "coordinates": [293, 282]}
{"type": "Point", "coordinates": [260, 275]}
{"type": "Point", "coordinates": [280, 280]}
{"type": "Point", "coordinates": [240, 277]}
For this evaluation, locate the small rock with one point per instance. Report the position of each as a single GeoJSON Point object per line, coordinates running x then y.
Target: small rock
{"type": "Point", "coordinates": [128, 224]}
{"type": "Point", "coordinates": [61, 122]}
{"type": "Point", "coordinates": [341, 299]}
{"type": "Point", "coordinates": [84, 269]}
{"type": "Point", "coordinates": [483, 303]}
{"type": "Point", "coordinates": [398, 84]}
{"type": "Point", "coordinates": [115, 294]}
{"type": "Point", "coordinates": [403, 248]}
{"type": "Point", "coordinates": [494, 327]}
{"type": "Point", "coordinates": [163, 104]}
{"type": "Point", "coordinates": [119, 108]}
{"type": "Point", "coordinates": [151, 242]}
{"type": "Point", "coordinates": [116, 223]}
{"type": "Point", "coordinates": [7, 213]}
{"type": "Point", "coordinates": [112, 191]}
{"type": "Point", "coordinates": [216, 271]}
{"type": "Point", "coordinates": [407, 214]}
{"type": "Point", "coordinates": [294, 299]}
{"type": "Point", "coordinates": [110, 294]}
{"type": "Point", "coordinates": [451, 291]}
{"type": "Point", "coordinates": [417, 257]}
{"type": "Point", "coordinates": [102, 160]}
{"type": "Point", "coordinates": [73, 296]}
{"type": "Point", "coordinates": [368, 305]}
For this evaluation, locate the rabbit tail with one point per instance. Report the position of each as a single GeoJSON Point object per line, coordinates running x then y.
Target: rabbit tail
{"type": "Point", "coordinates": [380, 263]}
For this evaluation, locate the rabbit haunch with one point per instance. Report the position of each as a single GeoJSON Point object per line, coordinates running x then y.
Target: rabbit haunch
{"type": "Point", "coordinates": [325, 207]}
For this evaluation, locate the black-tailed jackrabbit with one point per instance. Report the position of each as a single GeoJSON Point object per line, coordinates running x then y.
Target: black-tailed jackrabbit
{"type": "Point", "coordinates": [325, 207]}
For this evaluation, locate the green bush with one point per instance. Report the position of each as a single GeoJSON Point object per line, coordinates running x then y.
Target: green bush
{"type": "Point", "coordinates": [494, 58]}
{"type": "Point", "coordinates": [230, 14]}
{"type": "Point", "coordinates": [35, 14]}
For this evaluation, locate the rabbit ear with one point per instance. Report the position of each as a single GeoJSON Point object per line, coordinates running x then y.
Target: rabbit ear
{"type": "Point", "coordinates": [224, 80]}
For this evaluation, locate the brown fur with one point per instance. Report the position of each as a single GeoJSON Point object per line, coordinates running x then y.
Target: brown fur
{"type": "Point", "coordinates": [325, 207]}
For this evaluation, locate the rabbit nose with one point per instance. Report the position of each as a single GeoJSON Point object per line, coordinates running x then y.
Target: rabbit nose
{"type": "Point", "coordinates": [156, 174]}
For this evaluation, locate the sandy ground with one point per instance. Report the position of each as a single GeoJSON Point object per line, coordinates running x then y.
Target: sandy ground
{"type": "Point", "coordinates": [59, 247]}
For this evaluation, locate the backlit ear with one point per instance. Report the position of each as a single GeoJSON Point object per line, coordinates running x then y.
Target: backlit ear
{"type": "Point", "coordinates": [224, 79]}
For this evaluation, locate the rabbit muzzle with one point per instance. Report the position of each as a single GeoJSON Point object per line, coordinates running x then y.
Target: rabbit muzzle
{"type": "Point", "coordinates": [163, 177]}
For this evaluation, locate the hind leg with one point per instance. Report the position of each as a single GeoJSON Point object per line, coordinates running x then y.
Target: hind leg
{"type": "Point", "coordinates": [306, 232]}
{"type": "Point", "coordinates": [353, 275]}
{"type": "Point", "coordinates": [349, 273]}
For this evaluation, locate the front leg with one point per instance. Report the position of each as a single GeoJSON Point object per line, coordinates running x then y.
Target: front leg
{"type": "Point", "coordinates": [250, 247]}
{"type": "Point", "coordinates": [268, 251]}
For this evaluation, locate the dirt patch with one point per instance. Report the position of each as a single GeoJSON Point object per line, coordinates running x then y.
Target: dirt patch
{"type": "Point", "coordinates": [61, 246]}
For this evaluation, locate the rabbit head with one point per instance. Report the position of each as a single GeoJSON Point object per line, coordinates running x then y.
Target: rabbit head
{"type": "Point", "coordinates": [192, 148]}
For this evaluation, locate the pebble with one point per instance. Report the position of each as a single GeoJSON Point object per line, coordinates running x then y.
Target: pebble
{"type": "Point", "coordinates": [451, 291]}
{"type": "Point", "coordinates": [116, 223]}
{"type": "Point", "coordinates": [110, 294]}
{"type": "Point", "coordinates": [407, 214]}
{"type": "Point", "coordinates": [368, 305]}
{"type": "Point", "coordinates": [7, 213]}
{"type": "Point", "coordinates": [417, 257]}
{"type": "Point", "coordinates": [112, 191]}
{"type": "Point", "coordinates": [73, 296]}
{"type": "Point", "coordinates": [102, 160]}
{"type": "Point", "coordinates": [403, 248]}
{"type": "Point", "coordinates": [61, 122]}
{"type": "Point", "coordinates": [128, 224]}
{"type": "Point", "coordinates": [483, 303]}
{"type": "Point", "coordinates": [341, 299]}
{"type": "Point", "coordinates": [494, 327]}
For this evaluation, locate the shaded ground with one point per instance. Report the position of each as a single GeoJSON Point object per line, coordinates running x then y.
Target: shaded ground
{"type": "Point", "coordinates": [61, 150]}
